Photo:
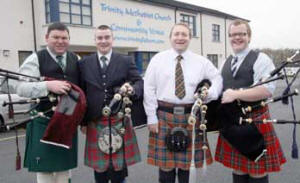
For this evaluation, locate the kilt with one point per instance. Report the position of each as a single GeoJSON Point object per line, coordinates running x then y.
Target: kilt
{"type": "Point", "coordinates": [270, 162]}
{"type": "Point", "coordinates": [98, 160]}
{"type": "Point", "coordinates": [159, 155]}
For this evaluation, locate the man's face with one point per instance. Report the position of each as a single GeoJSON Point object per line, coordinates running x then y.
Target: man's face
{"type": "Point", "coordinates": [239, 38]}
{"type": "Point", "coordinates": [58, 41]}
{"type": "Point", "coordinates": [104, 40]}
{"type": "Point", "coordinates": [180, 38]}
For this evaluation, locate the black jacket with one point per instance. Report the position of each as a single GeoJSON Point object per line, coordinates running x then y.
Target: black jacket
{"type": "Point", "coordinates": [99, 89]}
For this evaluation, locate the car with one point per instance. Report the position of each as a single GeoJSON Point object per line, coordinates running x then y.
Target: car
{"type": "Point", "coordinates": [20, 110]}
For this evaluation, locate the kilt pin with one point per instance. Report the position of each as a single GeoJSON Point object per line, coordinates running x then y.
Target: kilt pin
{"type": "Point", "coordinates": [98, 160]}
{"type": "Point", "coordinates": [159, 155]}
{"type": "Point", "coordinates": [270, 162]}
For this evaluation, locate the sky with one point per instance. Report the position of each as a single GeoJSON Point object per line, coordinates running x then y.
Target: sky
{"type": "Point", "coordinates": [274, 23]}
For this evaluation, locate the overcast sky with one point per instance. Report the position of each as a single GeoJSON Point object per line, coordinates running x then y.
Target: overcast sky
{"type": "Point", "coordinates": [275, 23]}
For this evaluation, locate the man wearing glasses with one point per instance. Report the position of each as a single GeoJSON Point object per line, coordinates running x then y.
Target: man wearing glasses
{"type": "Point", "coordinates": [241, 70]}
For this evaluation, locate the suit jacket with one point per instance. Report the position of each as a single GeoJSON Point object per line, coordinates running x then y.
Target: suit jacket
{"type": "Point", "coordinates": [99, 89]}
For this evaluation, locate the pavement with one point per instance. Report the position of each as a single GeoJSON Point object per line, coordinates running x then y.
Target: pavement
{"type": "Point", "coordinates": [144, 173]}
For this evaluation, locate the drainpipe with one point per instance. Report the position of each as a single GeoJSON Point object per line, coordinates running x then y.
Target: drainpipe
{"type": "Point", "coordinates": [201, 36]}
{"type": "Point", "coordinates": [33, 25]}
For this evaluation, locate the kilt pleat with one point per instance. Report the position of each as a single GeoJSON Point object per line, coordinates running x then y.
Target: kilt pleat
{"type": "Point", "coordinates": [270, 162]}
{"type": "Point", "coordinates": [98, 160]}
{"type": "Point", "coordinates": [159, 155]}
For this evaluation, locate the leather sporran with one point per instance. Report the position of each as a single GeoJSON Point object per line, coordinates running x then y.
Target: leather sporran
{"type": "Point", "coordinates": [178, 139]}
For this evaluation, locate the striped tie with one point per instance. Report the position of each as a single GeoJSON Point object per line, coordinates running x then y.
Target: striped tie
{"type": "Point", "coordinates": [104, 64]}
{"type": "Point", "coordinates": [234, 66]}
{"type": "Point", "coordinates": [179, 79]}
{"type": "Point", "coordinates": [60, 62]}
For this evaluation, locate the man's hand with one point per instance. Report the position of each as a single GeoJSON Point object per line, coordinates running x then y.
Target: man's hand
{"type": "Point", "coordinates": [58, 87]}
{"type": "Point", "coordinates": [153, 128]}
{"type": "Point", "coordinates": [229, 96]}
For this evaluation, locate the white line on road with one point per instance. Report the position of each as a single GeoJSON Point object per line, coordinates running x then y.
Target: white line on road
{"type": "Point", "coordinates": [9, 138]}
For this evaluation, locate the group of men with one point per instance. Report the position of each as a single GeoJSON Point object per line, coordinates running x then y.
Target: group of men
{"type": "Point", "coordinates": [170, 82]}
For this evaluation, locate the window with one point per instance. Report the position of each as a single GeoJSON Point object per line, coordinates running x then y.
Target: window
{"type": "Point", "coordinates": [213, 58]}
{"type": "Point", "coordinates": [190, 21]}
{"type": "Point", "coordinates": [146, 57]}
{"type": "Point", "coordinates": [78, 12]}
{"type": "Point", "coordinates": [142, 60]}
{"type": "Point", "coordinates": [215, 33]}
{"type": "Point", "coordinates": [23, 55]}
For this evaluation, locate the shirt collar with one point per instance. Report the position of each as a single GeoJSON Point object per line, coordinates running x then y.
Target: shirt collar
{"type": "Point", "coordinates": [242, 53]}
{"type": "Point", "coordinates": [175, 54]}
{"type": "Point", "coordinates": [54, 55]}
{"type": "Point", "coordinates": [108, 55]}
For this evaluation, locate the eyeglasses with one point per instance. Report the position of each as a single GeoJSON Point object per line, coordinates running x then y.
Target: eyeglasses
{"type": "Point", "coordinates": [239, 34]}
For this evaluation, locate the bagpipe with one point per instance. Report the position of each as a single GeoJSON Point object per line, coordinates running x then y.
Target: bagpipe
{"type": "Point", "coordinates": [64, 114]}
{"type": "Point", "coordinates": [120, 108]}
{"type": "Point", "coordinates": [199, 108]}
{"type": "Point", "coordinates": [240, 130]}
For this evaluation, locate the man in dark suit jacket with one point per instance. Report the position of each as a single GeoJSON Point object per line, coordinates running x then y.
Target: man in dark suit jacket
{"type": "Point", "coordinates": [101, 73]}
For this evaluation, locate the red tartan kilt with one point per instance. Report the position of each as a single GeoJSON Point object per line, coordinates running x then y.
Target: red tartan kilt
{"type": "Point", "coordinates": [98, 160]}
{"type": "Point", "coordinates": [159, 155]}
{"type": "Point", "coordinates": [270, 162]}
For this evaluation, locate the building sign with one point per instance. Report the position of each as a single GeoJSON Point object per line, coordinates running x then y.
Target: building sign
{"type": "Point", "coordinates": [137, 25]}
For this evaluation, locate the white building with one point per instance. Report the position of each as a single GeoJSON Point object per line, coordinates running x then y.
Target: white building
{"type": "Point", "coordinates": [141, 27]}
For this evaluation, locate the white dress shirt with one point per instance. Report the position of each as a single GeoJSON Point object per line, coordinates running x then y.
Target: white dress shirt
{"type": "Point", "coordinates": [159, 80]}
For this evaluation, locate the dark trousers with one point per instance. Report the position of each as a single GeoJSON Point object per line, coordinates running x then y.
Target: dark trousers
{"type": "Point", "coordinates": [247, 179]}
{"type": "Point", "coordinates": [113, 176]}
{"type": "Point", "coordinates": [170, 176]}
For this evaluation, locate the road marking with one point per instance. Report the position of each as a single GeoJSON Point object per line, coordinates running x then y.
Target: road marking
{"type": "Point", "coordinates": [9, 138]}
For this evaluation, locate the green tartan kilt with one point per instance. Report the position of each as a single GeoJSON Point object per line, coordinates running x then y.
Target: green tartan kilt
{"type": "Point", "coordinates": [41, 157]}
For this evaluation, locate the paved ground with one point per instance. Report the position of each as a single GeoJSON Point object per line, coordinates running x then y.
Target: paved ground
{"type": "Point", "coordinates": [143, 173]}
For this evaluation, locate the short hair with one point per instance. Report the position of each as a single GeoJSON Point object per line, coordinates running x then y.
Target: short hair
{"type": "Point", "coordinates": [237, 22]}
{"type": "Point", "coordinates": [181, 24]}
{"type": "Point", "coordinates": [104, 27]}
{"type": "Point", "coordinates": [57, 26]}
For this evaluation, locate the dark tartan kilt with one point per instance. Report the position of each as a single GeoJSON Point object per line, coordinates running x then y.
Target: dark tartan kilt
{"type": "Point", "coordinates": [159, 155]}
{"type": "Point", "coordinates": [270, 162]}
{"type": "Point", "coordinates": [98, 160]}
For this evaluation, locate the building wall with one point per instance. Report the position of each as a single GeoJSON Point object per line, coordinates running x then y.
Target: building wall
{"type": "Point", "coordinates": [210, 46]}
{"type": "Point", "coordinates": [16, 31]}
{"type": "Point", "coordinates": [137, 27]}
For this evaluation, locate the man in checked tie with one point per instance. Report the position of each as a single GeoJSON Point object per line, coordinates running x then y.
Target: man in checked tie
{"type": "Point", "coordinates": [50, 162]}
{"type": "Point", "coordinates": [169, 85]}
{"type": "Point", "coordinates": [241, 70]}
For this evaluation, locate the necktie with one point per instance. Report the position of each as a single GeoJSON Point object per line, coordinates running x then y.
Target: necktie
{"type": "Point", "coordinates": [59, 59]}
{"type": "Point", "coordinates": [104, 64]}
{"type": "Point", "coordinates": [179, 79]}
{"type": "Point", "coordinates": [234, 65]}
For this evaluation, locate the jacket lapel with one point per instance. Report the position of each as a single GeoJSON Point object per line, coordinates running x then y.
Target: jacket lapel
{"type": "Point", "coordinates": [113, 64]}
{"type": "Point", "coordinates": [94, 65]}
